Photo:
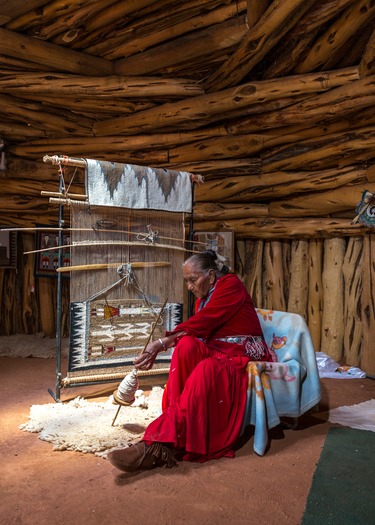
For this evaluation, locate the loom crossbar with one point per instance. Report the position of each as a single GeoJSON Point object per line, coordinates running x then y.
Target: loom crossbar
{"type": "Point", "coordinates": [110, 378]}
{"type": "Point", "coordinates": [81, 163]}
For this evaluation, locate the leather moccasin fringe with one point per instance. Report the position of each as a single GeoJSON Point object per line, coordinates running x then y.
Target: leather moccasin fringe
{"type": "Point", "coordinates": [141, 456]}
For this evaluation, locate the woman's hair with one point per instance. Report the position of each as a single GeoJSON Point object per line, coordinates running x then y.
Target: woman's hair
{"type": "Point", "coordinates": [209, 260]}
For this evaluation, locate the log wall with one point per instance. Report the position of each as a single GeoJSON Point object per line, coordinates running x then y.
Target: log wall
{"type": "Point", "coordinates": [318, 267]}
{"type": "Point", "coordinates": [30, 302]}
{"type": "Point", "coordinates": [323, 280]}
{"type": "Point", "coordinates": [327, 281]}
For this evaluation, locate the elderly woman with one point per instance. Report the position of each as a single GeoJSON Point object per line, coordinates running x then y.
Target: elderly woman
{"type": "Point", "coordinates": [205, 397]}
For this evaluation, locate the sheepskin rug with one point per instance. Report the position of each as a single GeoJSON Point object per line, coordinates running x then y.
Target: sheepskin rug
{"type": "Point", "coordinates": [86, 426]}
{"type": "Point", "coordinates": [360, 416]}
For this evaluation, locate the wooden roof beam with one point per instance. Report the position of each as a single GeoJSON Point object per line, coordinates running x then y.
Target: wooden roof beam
{"type": "Point", "coordinates": [66, 23]}
{"type": "Point", "coordinates": [296, 44]}
{"type": "Point", "coordinates": [45, 54]}
{"type": "Point", "coordinates": [36, 116]}
{"type": "Point", "coordinates": [60, 84]}
{"type": "Point", "coordinates": [192, 45]}
{"type": "Point", "coordinates": [15, 8]}
{"type": "Point", "coordinates": [279, 18]}
{"type": "Point", "coordinates": [367, 64]}
{"type": "Point", "coordinates": [266, 228]}
{"type": "Point", "coordinates": [334, 38]}
{"type": "Point", "coordinates": [255, 11]}
{"type": "Point", "coordinates": [206, 109]}
{"type": "Point", "coordinates": [139, 40]}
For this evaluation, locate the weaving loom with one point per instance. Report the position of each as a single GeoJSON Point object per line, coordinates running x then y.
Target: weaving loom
{"type": "Point", "coordinates": [128, 240]}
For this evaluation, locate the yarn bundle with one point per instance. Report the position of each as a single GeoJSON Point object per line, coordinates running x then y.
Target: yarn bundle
{"type": "Point", "coordinates": [125, 394]}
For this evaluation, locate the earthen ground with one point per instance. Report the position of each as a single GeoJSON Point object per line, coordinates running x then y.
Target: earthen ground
{"type": "Point", "coordinates": [40, 486]}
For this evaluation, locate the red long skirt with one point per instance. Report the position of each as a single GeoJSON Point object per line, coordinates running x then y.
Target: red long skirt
{"type": "Point", "coordinates": [204, 402]}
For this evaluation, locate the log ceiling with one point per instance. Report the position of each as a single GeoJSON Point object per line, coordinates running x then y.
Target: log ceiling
{"type": "Point", "coordinates": [272, 101]}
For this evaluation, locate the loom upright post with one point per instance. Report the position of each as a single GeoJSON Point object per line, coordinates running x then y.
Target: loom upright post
{"type": "Point", "coordinates": [190, 299]}
{"type": "Point", "coordinates": [56, 395]}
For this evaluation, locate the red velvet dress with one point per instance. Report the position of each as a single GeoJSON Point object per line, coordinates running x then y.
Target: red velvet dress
{"type": "Point", "coordinates": [205, 397]}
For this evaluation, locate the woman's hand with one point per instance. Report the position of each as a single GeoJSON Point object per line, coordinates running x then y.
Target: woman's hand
{"type": "Point", "coordinates": [146, 360]}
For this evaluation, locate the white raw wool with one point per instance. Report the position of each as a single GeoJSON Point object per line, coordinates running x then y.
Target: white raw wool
{"type": "Point", "coordinates": [361, 416]}
{"type": "Point", "coordinates": [128, 387]}
{"type": "Point", "coordinates": [86, 426]}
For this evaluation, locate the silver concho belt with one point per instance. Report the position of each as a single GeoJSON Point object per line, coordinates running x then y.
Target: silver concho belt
{"type": "Point", "coordinates": [255, 346]}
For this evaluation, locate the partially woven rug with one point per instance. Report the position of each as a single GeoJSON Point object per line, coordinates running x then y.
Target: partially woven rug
{"type": "Point", "coordinates": [137, 187]}
{"type": "Point", "coordinates": [86, 426]}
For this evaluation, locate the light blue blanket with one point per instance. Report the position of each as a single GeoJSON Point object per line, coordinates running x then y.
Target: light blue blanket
{"type": "Point", "coordinates": [288, 387]}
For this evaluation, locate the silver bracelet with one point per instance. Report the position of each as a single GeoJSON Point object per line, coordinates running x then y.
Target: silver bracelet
{"type": "Point", "coordinates": [163, 345]}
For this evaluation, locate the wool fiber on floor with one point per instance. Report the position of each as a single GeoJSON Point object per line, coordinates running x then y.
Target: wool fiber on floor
{"type": "Point", "coordinates": [86, 426]}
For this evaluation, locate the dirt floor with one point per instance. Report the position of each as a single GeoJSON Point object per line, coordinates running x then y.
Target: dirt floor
{"type": "Point", "coordinates": [40, 486]}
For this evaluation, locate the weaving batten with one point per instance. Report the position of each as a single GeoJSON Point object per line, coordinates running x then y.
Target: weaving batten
{"type": "Point", "coordinates": [104, 266]}
{"type": "Point", "coordinates": [145, 236]}
{"type": "Point", "coordinates": [112, 243]}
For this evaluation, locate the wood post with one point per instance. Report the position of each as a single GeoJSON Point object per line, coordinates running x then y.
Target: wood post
{"type": "Point", "coordinates": [274, 276]}
{"type": "Point", "coordinates": [2, 310]}
{"type": "Point", "coordinates": [315, 303]}
{"type": "Point", "coordinates": [298, 287]}
{"type": "Point", "coordinates": [46, 288]}
{"type": "Point", "coordinates": [353, 330]}
{"type": "Point", "coordinates": [333, 307]}
{"type": "Point", "coordinates": [10, 324]}
{"type": "Point", "coordinates": [253, 271]}
{"type": "Point", "coordinates": [368, 305]}
{"type": "Point", "coordinates": [29, 310]}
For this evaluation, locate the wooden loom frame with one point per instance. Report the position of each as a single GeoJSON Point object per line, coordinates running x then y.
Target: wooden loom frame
{"type": "Point", "coordinates": [62, 200]}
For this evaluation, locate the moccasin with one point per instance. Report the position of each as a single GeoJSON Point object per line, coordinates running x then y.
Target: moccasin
{"type": "Point", "coordinates": [141, 456]}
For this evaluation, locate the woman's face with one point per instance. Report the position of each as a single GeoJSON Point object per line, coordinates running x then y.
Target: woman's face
{"type": "Point", "coordinates": [198, 282]}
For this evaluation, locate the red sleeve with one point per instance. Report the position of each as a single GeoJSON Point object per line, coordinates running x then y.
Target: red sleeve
{"type": "Point", "coordinates": [227, 298]}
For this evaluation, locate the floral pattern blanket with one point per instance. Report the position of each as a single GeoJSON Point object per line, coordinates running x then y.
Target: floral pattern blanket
{"type": "Point", "coordinates": [288, 387]}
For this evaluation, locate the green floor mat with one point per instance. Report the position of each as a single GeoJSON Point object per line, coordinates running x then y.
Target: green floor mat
{"type": "Point", "coordinates": [343, 486]}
